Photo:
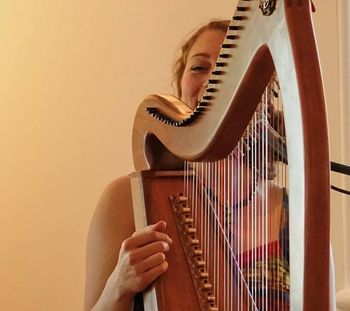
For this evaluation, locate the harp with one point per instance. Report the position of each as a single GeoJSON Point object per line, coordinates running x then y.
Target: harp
{"type": "Point", "coordinates": [186, 165]}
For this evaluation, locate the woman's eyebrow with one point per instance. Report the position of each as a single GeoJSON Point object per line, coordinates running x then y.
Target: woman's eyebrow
{"type": "Point", "coordinates": [205, 55]}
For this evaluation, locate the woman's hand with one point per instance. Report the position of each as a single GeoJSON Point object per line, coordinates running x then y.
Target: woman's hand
{"type": "Point", "coordinates": [141, 261]}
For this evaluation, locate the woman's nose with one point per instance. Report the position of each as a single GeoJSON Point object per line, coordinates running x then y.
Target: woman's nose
{"type": "Point", "coordinates": [205, 83]}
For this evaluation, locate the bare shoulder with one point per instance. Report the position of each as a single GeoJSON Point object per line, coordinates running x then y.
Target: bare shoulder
{"type": "Point", "coordinates": [113, 217]}
{"type": "Point", "coordinates": [111, 224]}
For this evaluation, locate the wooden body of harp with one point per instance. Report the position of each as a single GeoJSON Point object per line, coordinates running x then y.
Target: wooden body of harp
{"type": "Point", "coordinates": [151, 191]}
{"type": "Point", "coordinates": [186, 285]}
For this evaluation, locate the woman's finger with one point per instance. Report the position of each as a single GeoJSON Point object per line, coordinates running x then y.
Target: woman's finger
{"type": "Point", "coordinates": [151, 249]}
{"type": "Point", "coordinates": [144, 238]}
{"type": "Point", "coordinates": [150, 263]}
{"type": "Point", "coordinates": [158, 226]}
{"type": "Point", "coordinates": [150, 275]}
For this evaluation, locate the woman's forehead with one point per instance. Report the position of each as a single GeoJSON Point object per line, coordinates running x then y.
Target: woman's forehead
{"type": "Point", "coordinates": [208, 43]}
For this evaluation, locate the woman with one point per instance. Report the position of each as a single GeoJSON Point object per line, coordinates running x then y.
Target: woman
{"type": "Point", "coordinates": [121, 262]}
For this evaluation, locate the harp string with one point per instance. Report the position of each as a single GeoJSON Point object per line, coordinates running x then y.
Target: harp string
{"type": "Point", "coordinates": [230, 200]}
{"type": "Point", "coordinates": [217, 215]}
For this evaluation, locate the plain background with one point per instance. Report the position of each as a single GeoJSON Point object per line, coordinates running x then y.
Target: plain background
{"type": "Point", "coordinates": [72, 74]}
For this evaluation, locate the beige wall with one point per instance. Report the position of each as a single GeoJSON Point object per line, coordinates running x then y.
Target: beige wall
{"type": "Point", "coordinates": [72, 74]}
{"type": "Point", "coordinates": [333, 34]}
{"type": "Point", "coordinates": [341, 219]}
{"type": "Point", "coordinates": [326, 25]}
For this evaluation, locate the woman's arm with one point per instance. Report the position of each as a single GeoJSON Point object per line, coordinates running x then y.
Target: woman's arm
{"type": "Point", "coordinates": [119, 261]}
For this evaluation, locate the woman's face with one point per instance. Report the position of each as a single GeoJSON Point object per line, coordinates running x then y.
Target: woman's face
{"type": "Point", "coordinates": [199, 65]}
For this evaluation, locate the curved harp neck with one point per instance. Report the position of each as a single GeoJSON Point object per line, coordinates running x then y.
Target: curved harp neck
{"type": "Point", "coordinates": [166, 132]}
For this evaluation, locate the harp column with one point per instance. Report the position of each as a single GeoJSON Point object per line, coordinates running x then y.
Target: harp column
{"type": "Point", "coordinates": [343, 295]}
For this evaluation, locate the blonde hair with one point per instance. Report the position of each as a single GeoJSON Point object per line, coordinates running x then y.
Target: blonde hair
{"type": "Point", "coordinates": [180, 63]}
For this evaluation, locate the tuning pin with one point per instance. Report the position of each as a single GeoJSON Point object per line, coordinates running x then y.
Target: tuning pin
{"type": "Point", "coordinates": [192, 241]}
{"type": "Point", "coordinates": [235, 27]}
{"type": "Point", "coordinates": [181, 199]}
{"type": "Point", "coordinates": [208, 298]}
{"type": "Point", "coordinates": [184, 209]}
{"type": "Point", "coordinates": [196, 252]}
{"type": "Point", "coordinates": [240, 18]}
{"type": "Point", "coordinates": [202, 274]}
{"type": "Point", "coordinates": [205, 285]}
{"type": "Point", "coordinates": [188, 229]}
{"type": "Point", "coordinates": [198, 263]}
{"type": "Point", "coordinates": [186, 219]}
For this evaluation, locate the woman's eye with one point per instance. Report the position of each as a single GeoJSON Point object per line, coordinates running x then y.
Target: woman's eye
{"type": "Point", "coordinates": [199, 68]}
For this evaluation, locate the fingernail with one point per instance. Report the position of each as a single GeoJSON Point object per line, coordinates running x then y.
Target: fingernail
{"type": "Point", "coordinates": [166, 246]}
